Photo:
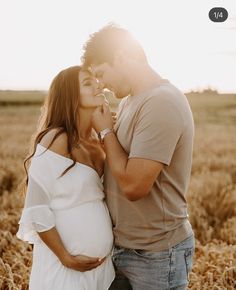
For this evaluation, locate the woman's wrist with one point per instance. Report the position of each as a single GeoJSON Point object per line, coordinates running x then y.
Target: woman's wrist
{"type": "Point", "coordinates": [65, 259]}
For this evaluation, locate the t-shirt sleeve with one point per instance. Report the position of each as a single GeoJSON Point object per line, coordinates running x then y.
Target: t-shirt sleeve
{"type": "Point", "coordinates": [157, 131]}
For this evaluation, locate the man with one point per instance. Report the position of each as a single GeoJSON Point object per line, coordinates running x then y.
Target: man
{"type": "Point", "coordinates": [148, 164]}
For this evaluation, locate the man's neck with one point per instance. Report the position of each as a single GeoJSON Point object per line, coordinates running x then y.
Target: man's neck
{"type": "Point", "coordinates": [145, 80]}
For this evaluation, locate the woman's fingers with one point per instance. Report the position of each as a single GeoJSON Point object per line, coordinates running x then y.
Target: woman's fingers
{"type": "Point", "coordinates": [84, 263]}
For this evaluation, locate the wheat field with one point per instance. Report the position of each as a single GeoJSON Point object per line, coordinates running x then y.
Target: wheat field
{"type": "Point", "coordinates": [211, 194]}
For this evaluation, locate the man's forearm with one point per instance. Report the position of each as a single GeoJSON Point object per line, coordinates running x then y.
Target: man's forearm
{"type": "Point", "coordinates": [117, 158]}
{"type": "Point", "coordinates": [134, 176]}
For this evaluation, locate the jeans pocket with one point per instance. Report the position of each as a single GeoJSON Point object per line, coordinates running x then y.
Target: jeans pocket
{"type": "Point", "coordinates": [188, 255]}
{"type": "Point", "coordinates": [158, 256]}
{"type": "Point", "coordinates": [187, 243]}
{"type": "Point", "coordinates": [140, 253]}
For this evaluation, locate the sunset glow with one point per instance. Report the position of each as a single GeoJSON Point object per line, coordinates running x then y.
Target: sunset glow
{"type": "Point", "coordinates": [39, 38]}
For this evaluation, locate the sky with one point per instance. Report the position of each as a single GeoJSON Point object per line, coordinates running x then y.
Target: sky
{"type": "Point", "coordinates": [40, 38]}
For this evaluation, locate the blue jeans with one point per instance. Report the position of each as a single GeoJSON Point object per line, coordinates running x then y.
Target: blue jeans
{"type": "Point", "coordinates": [144, 270]}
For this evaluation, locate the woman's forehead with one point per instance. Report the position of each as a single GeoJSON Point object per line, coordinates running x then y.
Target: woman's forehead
{"type": "Point", "coordinates": [85, 74]}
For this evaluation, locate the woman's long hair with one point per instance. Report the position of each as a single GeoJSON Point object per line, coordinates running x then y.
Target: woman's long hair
{"type": "Point", "coordinates": [60, 110]}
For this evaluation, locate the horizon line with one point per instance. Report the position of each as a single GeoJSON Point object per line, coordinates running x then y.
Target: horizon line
{"type": "Point", "coordinates": [184, 91]}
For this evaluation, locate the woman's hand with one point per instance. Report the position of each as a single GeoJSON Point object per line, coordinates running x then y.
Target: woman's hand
{"type": "Point", "coordinates": [82, 263]}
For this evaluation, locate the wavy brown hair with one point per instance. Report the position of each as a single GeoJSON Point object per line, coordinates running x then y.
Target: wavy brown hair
{"type": "Point", "coordinates": [60, 110]}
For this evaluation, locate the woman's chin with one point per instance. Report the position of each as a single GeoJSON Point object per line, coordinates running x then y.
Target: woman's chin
{"type": "Point", "coordinates": [98, 104]}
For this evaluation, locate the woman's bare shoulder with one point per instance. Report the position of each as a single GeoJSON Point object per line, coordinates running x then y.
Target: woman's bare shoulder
{"type": "Point", "coordinates": [59, 145]}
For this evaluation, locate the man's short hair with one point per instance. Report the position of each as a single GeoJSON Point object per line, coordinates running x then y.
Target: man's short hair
{"type": "Point", "coordinates": [103, 44]}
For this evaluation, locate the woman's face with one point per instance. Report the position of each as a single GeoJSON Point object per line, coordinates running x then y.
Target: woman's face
{"type": "Point", "coordinates": [90, 92]}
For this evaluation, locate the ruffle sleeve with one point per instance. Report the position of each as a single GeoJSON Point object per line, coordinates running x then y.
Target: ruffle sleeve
{"type": "Point", "coordinates": [37, 215]}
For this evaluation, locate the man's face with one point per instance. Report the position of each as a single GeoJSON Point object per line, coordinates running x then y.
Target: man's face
{"type": "Point", "coordinates": [111, 77]}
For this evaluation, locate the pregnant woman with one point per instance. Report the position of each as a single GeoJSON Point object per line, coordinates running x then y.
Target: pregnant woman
{"type": "Point", "coordinates": [65, 215]}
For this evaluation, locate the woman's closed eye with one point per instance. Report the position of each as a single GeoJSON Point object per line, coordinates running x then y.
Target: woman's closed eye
{"type": "Point", "coordinates": [87, 83]}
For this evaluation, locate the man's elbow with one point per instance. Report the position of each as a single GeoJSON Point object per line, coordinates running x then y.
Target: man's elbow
{"type": "Point", "coordinates": [134, 193]}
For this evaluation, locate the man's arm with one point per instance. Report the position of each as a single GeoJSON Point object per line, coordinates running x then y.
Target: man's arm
{"type": "Point", "coordinates": [135, 176]}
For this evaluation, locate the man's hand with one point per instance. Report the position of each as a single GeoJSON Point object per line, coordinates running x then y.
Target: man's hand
{"type": "Point", "coordinates": [102, 118]}
{"type": "Point", "coordinates": [82, 263]}
{"type": "Point", "coordinates": [114, 117]}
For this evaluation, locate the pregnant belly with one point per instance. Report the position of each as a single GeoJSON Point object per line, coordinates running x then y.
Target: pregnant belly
{"type": "Point", "coordinates": [86, 229]}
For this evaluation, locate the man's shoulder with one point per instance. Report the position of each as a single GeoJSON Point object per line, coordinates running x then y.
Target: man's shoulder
{"type": "Point", "coordinates": [166, 94]}
{"type": "Point", "coordinates": [166, 89]}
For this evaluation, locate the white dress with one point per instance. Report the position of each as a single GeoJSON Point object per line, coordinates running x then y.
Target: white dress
{"type": "Point", "coordinates": [74, 204]}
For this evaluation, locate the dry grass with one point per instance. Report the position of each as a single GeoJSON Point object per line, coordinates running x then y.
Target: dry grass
{"type": "Point", "coordinates": [21, 98]}
{"type": "Point", "coordinates": [211, 196]}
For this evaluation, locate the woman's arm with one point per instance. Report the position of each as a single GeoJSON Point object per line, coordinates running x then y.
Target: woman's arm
{"type": "Point", "coordinates": [80, 263]}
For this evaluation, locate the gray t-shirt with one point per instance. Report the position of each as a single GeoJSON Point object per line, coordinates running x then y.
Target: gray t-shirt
{"type": "Point", "coordinates": [156, 125]}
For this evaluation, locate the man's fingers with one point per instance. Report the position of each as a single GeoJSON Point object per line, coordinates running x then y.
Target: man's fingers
{"type": "Point", "coordinates": [98, 109]}
{"type": "Point", "coordinates": [97, 112]}
{"type": "Point", "coordinates": [106, 102]}
{"type": "Point", "coordinates": [105, 108]}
